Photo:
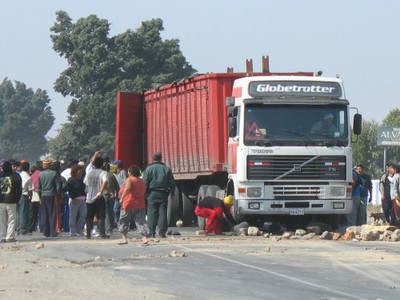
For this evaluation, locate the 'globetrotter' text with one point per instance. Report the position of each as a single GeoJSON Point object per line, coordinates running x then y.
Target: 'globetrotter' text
{"type": "Point", "coordinates": [294, 88]}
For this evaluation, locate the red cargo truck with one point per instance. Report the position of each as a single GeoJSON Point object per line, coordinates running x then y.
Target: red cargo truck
{"type": "Point", "coordinates": [187, 123]}
{"type": "Point", "coordinates": [199, 125]}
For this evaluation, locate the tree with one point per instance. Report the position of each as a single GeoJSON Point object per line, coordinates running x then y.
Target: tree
{"type": "Point", "coordinates": [99, 67]}
{"type": "Point", "coordinates": [26, 118]}
{"type": "Point", "coordinates": [366, 150]}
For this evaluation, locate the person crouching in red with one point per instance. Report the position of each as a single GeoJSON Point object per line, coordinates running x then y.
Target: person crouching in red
{"type": "Point", "coordinates": [215, 210]}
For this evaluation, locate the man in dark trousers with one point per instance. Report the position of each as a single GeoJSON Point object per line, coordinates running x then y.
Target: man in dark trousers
{"type": "Point", "coordinates": [159, 184]}
{"type": "Point", "coordinates": [365, 189]}
{"type": "Point", "coordinates": [385, 188]}
{"type": "Point", "coordinates": [215, 211]}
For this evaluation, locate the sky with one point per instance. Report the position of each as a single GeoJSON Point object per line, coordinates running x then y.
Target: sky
{"type": "Point", "coordinates": [359, 40]}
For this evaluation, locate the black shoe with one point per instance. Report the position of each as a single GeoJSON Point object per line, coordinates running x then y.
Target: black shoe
{"type": "Point", "coordinates": [88, 236]}
{"type": "Point", "coordinates": [162, 235]}
{"type": "Point", "coordinates": [104, 236]}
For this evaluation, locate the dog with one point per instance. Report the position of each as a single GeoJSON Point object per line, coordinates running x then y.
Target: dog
{"type": "Point", "coordinates": [378, 216]}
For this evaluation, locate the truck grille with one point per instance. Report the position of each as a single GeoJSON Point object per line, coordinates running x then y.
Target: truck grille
{"type": "Point", "coordinates": [296, 167]}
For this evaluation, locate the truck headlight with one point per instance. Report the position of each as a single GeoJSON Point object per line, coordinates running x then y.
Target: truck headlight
{"type": "Point", "coordinates": [253, 192]}
{"type": "Point", "coordinates": [338, 191]}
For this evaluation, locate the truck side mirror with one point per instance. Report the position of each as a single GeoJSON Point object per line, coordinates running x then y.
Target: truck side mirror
{"type": "Point", "coordinates": [357, 124]}
{"type": "Point", "coordinates": [232, 121]}
{"type": "Point", "coordinates": [232, 126]}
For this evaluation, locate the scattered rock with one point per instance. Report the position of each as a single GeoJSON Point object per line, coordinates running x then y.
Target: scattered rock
{"type": "Point", "coordinates": [309, 236]}
{"type": "Point", "coordinates": [370, 236]}
{"type": "Point", "coordinates": [287, 234]}
{"type": "Point", "coordinates": [317, 227]}
{"type": "Point", "coordinates": [243, 231]}
{"type": "Point", "coordinates": [348, 235]}
{"type": "Point", "coordinates": [395, 237]}
{"type": "Point", "coordinates": [39, 246]}
{"type": "Point", "coordinates": [336, 236]}
{"type": "Point", "coordinates": [326, 235]}
{"type": "Point", "coordinates": [300, 232]}
{"type": "Point", "coordinates": [253, 231]}
{"type": "Point", "coordinates": [177, 254]}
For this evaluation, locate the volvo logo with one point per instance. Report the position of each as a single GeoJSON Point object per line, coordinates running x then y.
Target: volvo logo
{"type": "Point", "coordinates": [297, 167]}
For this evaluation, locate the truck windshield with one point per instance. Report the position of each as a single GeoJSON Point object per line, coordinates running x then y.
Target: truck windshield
{"type": "Point", "coordinates": [295, 125]}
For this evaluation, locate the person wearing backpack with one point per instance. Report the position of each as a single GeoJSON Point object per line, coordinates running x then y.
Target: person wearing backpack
{"type": "Point", "coordinates": [11, 191]}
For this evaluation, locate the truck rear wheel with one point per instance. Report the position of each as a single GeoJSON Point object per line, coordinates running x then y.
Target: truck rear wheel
{"type": "Point", "coordinates": [188, 215]}
{"type": "Point", "coordinates": [173, 209]}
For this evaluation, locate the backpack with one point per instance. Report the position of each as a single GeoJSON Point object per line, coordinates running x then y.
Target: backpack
{"type": "Point", "coordinates": [6, 186]}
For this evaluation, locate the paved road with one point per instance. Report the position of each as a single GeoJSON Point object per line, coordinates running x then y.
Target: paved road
{"type": "Point", "coordinates": [236, 267]}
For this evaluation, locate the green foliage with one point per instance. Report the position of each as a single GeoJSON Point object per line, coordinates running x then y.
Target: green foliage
{"type": "Point", "coordinates": [98, 67]}
{"type": "Point", "coordinates": [25, 120]}
{"type": "Point", "coordinates": [366, 150]}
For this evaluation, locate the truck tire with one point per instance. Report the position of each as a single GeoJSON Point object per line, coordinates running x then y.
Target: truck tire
{"type": "Point", "coordinates": [188, 215]}
{"type": "Point", "coordinates": [200, 196]}
{"type": "Point", "coordinates": [173, 208]}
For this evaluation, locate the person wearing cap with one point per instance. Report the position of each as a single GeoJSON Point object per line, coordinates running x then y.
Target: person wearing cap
{"type": "Point", "coordinates": [49, 188]}
{"type": "Point", "coordinates": [216, 211]}
{"type": "Point", "coordinates": [159, 184]}
{"type": "Point", "coordinates": [10, 193]}
{"type": "Point", "coordinates": [325, 125]}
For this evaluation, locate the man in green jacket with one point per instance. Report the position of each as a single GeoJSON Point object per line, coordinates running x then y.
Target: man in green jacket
{"type": "Point", "coordinates": [49, 188]}
{"type": "Point", "coordinates": [159, 184]}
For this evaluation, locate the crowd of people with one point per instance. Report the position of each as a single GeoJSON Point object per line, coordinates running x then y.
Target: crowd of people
{"type": "Point", "coordinates": [95, 198]}
{"type": "Point", "coordinates": [389, 189]}
{"type": "Point", "coordinates": [83, 199]}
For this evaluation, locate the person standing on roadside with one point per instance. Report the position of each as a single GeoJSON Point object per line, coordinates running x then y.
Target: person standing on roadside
{"type": "Point", "coordinates": [10, 193]}
{"type": "Point", "coordinates": [25, 201]}
{"type": "Point", "coordinates": [385, 188]}
{"type": "Point", "coordinates": [159, 184]}
{"type": "Point", "coordinates": [356, 217]}
{"type": "Point", "coordinates": [365, 191]}
{"type": "Point", "coordinates": [96, 185]}
{"type": "Point", "coordinates": [35, 201]}
{"type": "Point", "coordinates": [49, 189]}
{"type": "Point", "coordinates": [121, 176]}
{"type": "Point", "coordinates": [77, 201]}
{"type": "Point", "coordinates": [110, 197]}
{"type": "Point", "coordinates": [395, 195]}
{"type": "Point", "coordinates": [133, 204]}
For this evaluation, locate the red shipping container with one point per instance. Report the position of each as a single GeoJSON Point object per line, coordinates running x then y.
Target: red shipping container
{"type": "Point", "coordinates": [187, 123]}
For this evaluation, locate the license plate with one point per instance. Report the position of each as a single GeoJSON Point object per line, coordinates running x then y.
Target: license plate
{"type": "Point", "coordinates": [296, 212]}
